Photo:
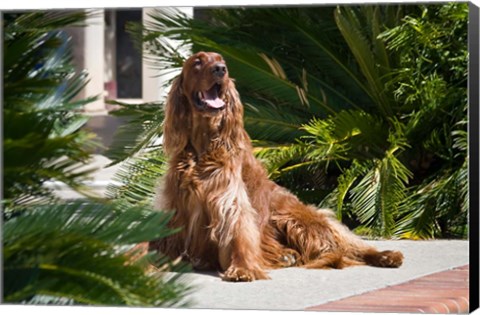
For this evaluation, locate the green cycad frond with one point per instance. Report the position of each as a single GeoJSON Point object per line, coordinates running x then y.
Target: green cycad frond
{"type": "Point", "coordinates": [103, 222]}
{"type": "Point", "coordinates": [135, 183]}
{"type": "Point", "coordinates": [165, 55]}
{"type": "Point", "coordinates": [276, 157]}
{"type": "Point", "coordinates": [460, 142]}
{"type": "Point", "coordinates": [332, 70]}
{"type": "Point", "coordinates": [42, 136]}
{"type": "Point", "coordinates": [352, 134]}
{"type": "Point", "coordinates": [305, 42]}
{"type": "Point", "coordinates": [324, 86]}
{"type": "Point", "coordinates": [324, 143]}
{"type": "Point", "coordinates": [273, 123]}
{"type": "Point", "coordinates": [141, 129]}
{"type": "Point", "coordinates": [338, 199]}
{"type": "Point", "coordinates": [78, 251]}
{"type": "Point", "coordinates": [44, 21]}
{"type": "Point", "coordinates": [377, 197]}
{"type": "Point", "coordinates": [436, 208]}
{"type": "Point", "coordinates": [347, 135]}
{"type": "Point", "coordinates": [439, 205]}
{"type": "Point", "coordinates": [373, 63]}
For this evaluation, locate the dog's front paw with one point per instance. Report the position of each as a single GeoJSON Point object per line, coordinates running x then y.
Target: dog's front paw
{"type": "Point", "coordinates": [241, 274]}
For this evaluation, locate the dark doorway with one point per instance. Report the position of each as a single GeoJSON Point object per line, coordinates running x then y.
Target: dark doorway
{"type": "Point", "coordinates": [129, 59]}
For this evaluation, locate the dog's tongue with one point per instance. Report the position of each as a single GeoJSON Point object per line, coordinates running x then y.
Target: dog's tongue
{"type": "Point", "coordinates": [212, 99]}
{"type": "Point", "coordinates": [215, 103]}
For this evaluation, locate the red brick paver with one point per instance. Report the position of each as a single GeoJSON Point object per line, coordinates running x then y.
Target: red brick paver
{"type": "Point", "coordinates": [443, 292]}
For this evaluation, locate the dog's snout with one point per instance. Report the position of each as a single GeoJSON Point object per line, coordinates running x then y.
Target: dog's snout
{"type": "Point", "coordinates": [219, 69]}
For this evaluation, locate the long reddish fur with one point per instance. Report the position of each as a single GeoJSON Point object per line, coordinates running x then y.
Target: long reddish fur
{"type": "Point", "coordinates": [232, 217]}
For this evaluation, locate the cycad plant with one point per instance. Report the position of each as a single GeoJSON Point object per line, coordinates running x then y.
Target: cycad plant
{"type": "Point", "coordinates": [42, 135]}
{"type": "Point", "coordinates": [54, 251]}
{"type": "Point", "coordinates": [81, 253]}
{"type": "Point", "coordinates": [359, 108]}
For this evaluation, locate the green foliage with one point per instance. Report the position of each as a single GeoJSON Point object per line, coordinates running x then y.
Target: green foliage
{"type": "Point", "coordinates": [431, 84]}
{"type": "Point", "coordinates": [438, 206]}
{"type": "Point", "coordinates": [373, 181]}
{"type": "Point", "coordinates": [281, 85]}
{"type": "Point", "coordinates": [58, 252]}
{"type": "Point", "coordinates": [42, 136]}
{"type": "Point", "coordinates": [351, 107]}
{"type": "Point", "coordinates": [140, 131]}
{"type": "Point", "coordinates": [413, 188]}
{"type": "Point", "coordinates": [135, 183]}
{"type": "Point", "coordinates": [80, 251]}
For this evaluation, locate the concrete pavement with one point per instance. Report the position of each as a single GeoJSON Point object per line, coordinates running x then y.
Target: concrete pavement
{"type": "Point", "coordinates": [298, 288]}
{"type": "Point", "coordinates": [97, 182]}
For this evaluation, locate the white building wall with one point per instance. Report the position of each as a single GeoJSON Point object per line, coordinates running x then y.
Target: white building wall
{"type": "Point", "coordinates": [153, 89]}
{"type": "Point", "coordinates": [94, 38]}
{"type": "Point", "coordinates": [94, 51]}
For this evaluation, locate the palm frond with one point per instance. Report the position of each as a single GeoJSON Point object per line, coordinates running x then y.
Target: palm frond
{"type": "Point", "coordinates": [142, 128]}
{"type": "Point", "coordinates": [77, 251]}
{"type": "Point", "coordinates": [377, 197]}
{"type": "Point", "coordinates": [278, 159]}
{"type": "Point", "coordinates": [269, 123]}
{"type": "Point", "coordinates": [346, 181]}
{"type": "Point", "coordinates": [324, 51]}
{"type": "Point", "coordinates": [352, 134]}
{"type": "Point", "coordinates": [253, 70]}
{"type": "Point", "coordinates": [373, 64]}
{"type": "Point", "coordinates": [439, 206]}
{"type": "Point", "coordinates": [135, 183]}
{"type": "Point", "coordinates": [43, 139]}
{"type": "Point", "coordinates": [257, 72]}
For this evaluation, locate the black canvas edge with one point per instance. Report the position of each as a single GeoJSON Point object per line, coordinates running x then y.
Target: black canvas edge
{"type": "Point", "coordinates": [473, 131]}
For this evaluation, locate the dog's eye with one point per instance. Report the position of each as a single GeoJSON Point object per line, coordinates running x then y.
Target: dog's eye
{"type": "Point", "coordinates": [197, 62]}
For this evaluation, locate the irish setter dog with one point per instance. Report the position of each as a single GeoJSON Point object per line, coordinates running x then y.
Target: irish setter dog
{"type": "Point", "coordinates": [232, 217]}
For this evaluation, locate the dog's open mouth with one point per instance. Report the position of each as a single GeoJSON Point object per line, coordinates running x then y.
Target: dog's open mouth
{"type": "Point", "coordinates": [210, 98]}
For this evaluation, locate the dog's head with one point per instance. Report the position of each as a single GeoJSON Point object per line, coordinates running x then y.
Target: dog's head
{"type": "Point", "coordinates": [204, 81]}
{"type": "Point", "coordinates": [203, 92]}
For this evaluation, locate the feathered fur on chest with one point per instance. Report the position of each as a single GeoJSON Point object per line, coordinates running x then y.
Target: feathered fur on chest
{"type": "Point", "coordinates": [212, 170]}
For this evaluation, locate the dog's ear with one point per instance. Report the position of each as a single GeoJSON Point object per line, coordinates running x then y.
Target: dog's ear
{"type": "Point", "coordinates": [177, 119]}
{"type": "Point", "coordinates": [233, 125]}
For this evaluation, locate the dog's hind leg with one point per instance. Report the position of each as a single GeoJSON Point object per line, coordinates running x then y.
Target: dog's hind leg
{"type": "Point", "coordinates": [386, 258]}
{"type": "Point", "coordinates": [321, 240]}
{"type": "Point", "coordinates": [332, 260]}
{"type": "Point", "coordinates": [371, 257]}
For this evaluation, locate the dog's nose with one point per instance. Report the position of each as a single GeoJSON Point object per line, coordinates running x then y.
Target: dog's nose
{"type": "Point", "coordinates": [219, 69]}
